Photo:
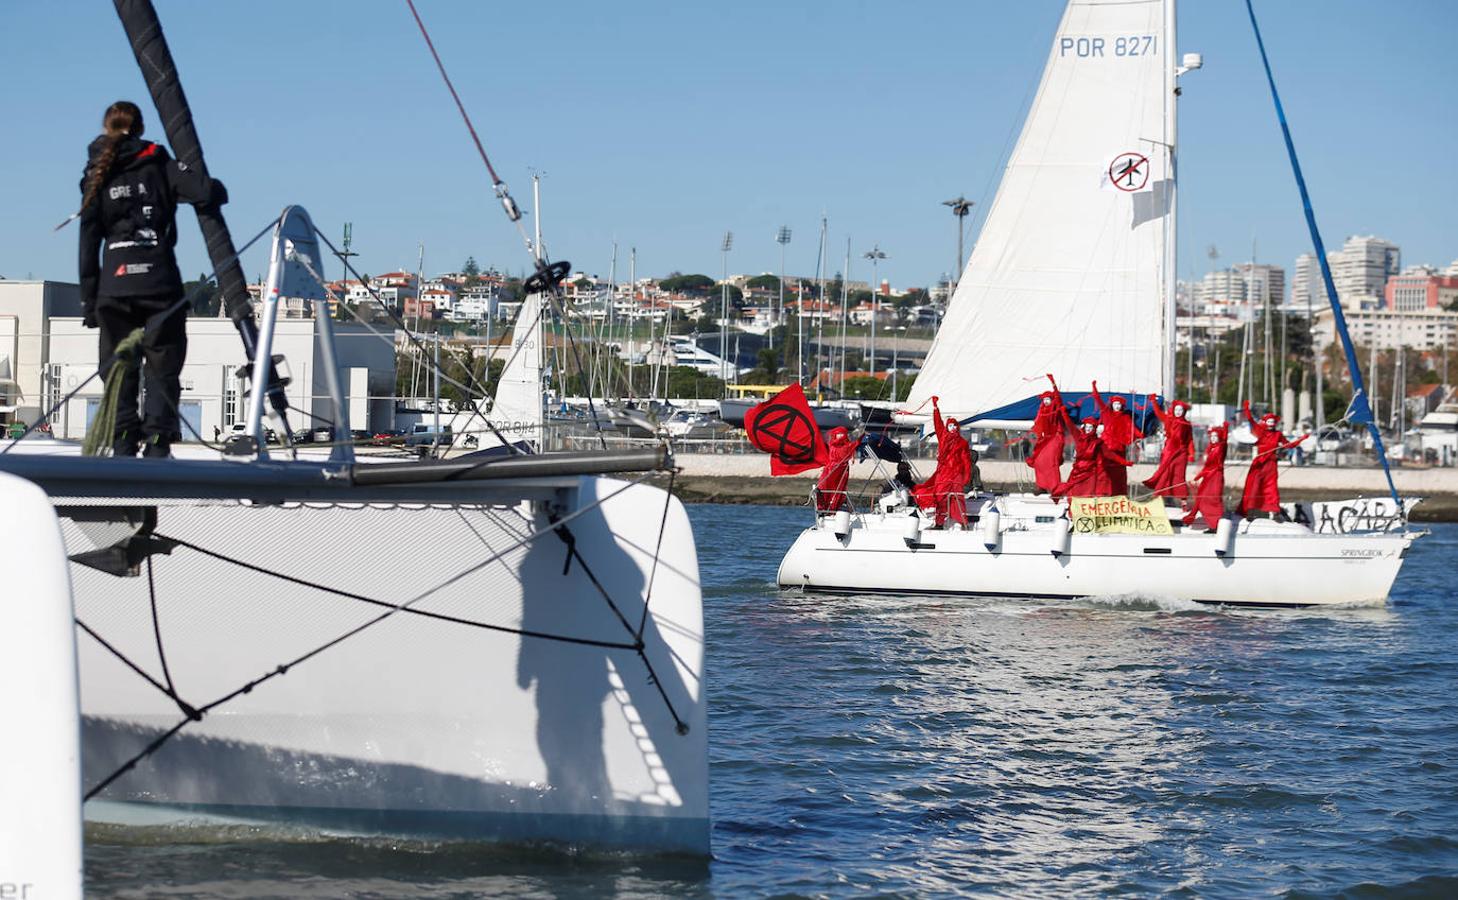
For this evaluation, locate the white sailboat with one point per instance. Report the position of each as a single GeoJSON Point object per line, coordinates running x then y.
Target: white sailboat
{"type": "Point", "coordinates": [1073, 274]}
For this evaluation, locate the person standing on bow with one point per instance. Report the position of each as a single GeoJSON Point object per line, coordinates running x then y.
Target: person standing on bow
{"type": "Point", "coordinates": [1169, 479]}
{"type": "Point", "coordinates": [1210, 482]}
{"type": "Point", "coordinates": [1046, 458]}
{"type": "Point", "coordinates": [128, 270]}
{"type": "Point", "coordinates": [1119, 433]}
{"type": "Point", "coordinates": [1262, 493]}
{"type": "Point", "coordinates": [830, 486]}
{"type": "Point", "coordinates": [954, 467]}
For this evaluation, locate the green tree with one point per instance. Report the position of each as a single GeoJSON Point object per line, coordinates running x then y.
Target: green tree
{"type": "Point", "coordinates": [206, 297]}
{"type": "Point", "coordinates": [471, 271]}
{"type": "Point", "coordinates": [687, 284]}
{"type": "Point", "coordinates": [767, 282]}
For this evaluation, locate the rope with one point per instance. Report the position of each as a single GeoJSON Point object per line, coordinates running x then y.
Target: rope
{"type": "Point", "coordinates": [46, 416]}
{"type": "Point", "coordinates": [556, 524]}
{"type": "Point", "coordinates": [102, 433]}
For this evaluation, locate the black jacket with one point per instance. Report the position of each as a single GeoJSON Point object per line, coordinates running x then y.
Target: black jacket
{"type": "Point", "coordinates": [132, 223]}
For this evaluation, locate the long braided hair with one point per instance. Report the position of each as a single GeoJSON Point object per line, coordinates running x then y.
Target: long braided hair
{"type": "Point", "coordinates": [123, 119]}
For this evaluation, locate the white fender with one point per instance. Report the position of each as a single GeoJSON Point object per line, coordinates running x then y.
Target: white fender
{"type": "Point", "coordinates": [912, 530]}
{"type": "Point", "coordinates": [842, 523]}
{"type": "Point", "coordinates": [40, 755]}
{"type": "Point", "coordinates": [991, 529]}
{"type": "Point", "coordinates": [1062, 537]}
{"type": "Point", "coordinates": [1224, 537]}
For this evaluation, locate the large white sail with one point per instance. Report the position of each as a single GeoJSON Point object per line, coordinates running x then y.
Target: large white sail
{"type": "Point", "coordinates": [1067, 274]}
{"type": "Point", "coordinates": [516, 411]}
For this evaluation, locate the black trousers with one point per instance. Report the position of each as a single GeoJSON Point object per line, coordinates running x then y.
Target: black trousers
{"type": "Point", "coordinates": [164, 349]}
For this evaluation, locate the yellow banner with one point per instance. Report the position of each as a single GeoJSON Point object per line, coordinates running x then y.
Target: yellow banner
{"type": "Point", "coordinates": [1118, 515]}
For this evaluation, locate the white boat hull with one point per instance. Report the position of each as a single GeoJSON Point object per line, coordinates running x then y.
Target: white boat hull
{"type": "Point", "coordinates": [417, 726]}
{"type": "Point", "coordinates": [1266, 564]}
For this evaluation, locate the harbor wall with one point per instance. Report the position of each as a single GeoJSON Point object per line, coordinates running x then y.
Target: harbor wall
{"type": "Point", "coordinates": [745, 478]}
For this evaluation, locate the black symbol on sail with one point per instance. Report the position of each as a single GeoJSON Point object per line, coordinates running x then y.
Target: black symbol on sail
{"type": "Point", "coordinates": [1129, 171]}
{"type": "Point", "coordinates": [785, 431]}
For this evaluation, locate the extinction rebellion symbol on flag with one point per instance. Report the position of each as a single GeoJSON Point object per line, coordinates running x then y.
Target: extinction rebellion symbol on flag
{"type": "Point", "coordinates": [784, 426]}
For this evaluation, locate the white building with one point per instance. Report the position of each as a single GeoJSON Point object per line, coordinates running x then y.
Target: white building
{"type": "Point", "coordinates": [1359, 270]}
{"type": "Point", "coordinates": [26, 311]}
{"type": "Point", "coordinates": [62, 355]}
{"type": "Point", "coordinates": [1246, 284]}
{"type": "Point", "coordinates": [1425, 330]}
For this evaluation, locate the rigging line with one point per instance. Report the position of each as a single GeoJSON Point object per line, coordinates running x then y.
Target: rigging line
{"type": "Point", "coordinates": [475, 388]}
{"type": "Point", "coordinates": [1360, 404]}
{"type": "Point", "coordinates": [184, 301]}
{"type": "Point", "coordinates": [570, 539]}
{"type": "Point", "coordinates": [508, 204]}
{"type": "Point", "coordinates": [187, 710]}
{"type": "Point", "coordinates": [657, 552]}
{"type": "Point", "coordinates": [130, 764]}
{"type": "Point", "coordinates": [456, 620]}
{"type": "Point", "coordinates": [405, 606]}
{"type": "Point", "coordinates": [157, 629]}
{"type": "Point", "coordinates": [560, 307]}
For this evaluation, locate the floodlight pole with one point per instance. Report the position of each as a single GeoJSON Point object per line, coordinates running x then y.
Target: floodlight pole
{"type": "Point", "coordinates": [724, 248]}
{"type": "Point", "coordinates": [782, 237]}
{"type": "Point", "coordinates": [961, 206]}
{"type": "Point", "coordinates": [875, 256]}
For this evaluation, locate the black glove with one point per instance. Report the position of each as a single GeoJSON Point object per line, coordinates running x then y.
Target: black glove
{"type": "Point", "coordinates": [220, 193]}
{"type": "Point", "coordinates": [88, 317]}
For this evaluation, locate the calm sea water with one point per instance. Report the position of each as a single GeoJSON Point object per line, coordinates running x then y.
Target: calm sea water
{"type": "Point", "coordinates": [905, 746]}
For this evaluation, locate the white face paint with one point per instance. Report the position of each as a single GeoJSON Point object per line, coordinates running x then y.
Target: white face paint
{"type": "Point", "coordinates": [1100, 430]}
{"type": "Point", "coordinates": [1180, 411]}
{"type": "Point", "coordinates": [1047, 401]}
{"type": "Point", "coordinates": [1118, 405]}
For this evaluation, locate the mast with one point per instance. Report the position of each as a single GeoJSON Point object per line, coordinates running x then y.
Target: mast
{"type": "Point", "coordinates": [149, 46]}
{"type": "Point", "coordinates": [1171, 120]}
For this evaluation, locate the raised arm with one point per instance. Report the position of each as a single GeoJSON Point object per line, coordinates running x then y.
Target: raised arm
{"type": "Point", "coordinates": [1159, 412]}
{"type": "Point", "coordinates": [941, 426]}
{"type": "Point", "coordinates": [1098, 399]}
{"type": "Point", "coordinates": [1248, 417]}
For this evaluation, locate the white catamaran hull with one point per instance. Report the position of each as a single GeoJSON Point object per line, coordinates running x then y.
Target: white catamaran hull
{"type": "Point", "coordinates": [417, 726]}
{"type": "Point", "coordinates": [1265, 563]}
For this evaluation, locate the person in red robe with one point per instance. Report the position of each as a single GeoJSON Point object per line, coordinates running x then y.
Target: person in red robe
{"type": "Point", "coordinates": [1088, 461]}
{"type": "Point", "coordinates": [1046, 457]}
{"type": "Point", "coordinates": [1210, 482]}
{"type": "Point", "coordinates": [946, 489]}
{"type": "Point", "coordinates": [1262, 494]}
{"type": "Point", "coordinates": [1169, 479]}
{"type": "Point", "coordinates": [1119, 433]}
{"type": "Point", "coordinates": [830, 486]}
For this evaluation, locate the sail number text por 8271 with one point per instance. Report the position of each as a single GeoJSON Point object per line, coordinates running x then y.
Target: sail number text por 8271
{"type": "Point", "coordinates": [1132, 45]}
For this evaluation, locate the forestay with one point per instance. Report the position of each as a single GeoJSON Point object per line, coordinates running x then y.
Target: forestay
{"type": "Point", "coordinates": [1066, 275]}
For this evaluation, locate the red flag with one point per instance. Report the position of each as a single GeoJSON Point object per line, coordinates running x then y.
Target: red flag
{"type": "Point", "coordinates": [784, 426]}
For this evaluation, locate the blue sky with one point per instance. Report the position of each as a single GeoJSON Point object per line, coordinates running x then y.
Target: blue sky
{"type": "Point", "coordinates": [660, 125]}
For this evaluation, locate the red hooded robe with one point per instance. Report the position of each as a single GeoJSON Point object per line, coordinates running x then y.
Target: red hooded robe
{"type": "Point", "coordinates": [1086, 478]}
{"type": "Point", "coordinates": [830, 486]}
{"type": "Point", "coordinates": [1047, 455]}
{"type": "Point", "coordinates": [1169, 479]}
{"type": "Point", "coordinates": [1119, 433]}
{"type": "Point", "coordinates": [1210, 494]}
{"type": "Point", "coordinates": [946, 488]}
{"type": "Point", "coordinates": [1261, 490]}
